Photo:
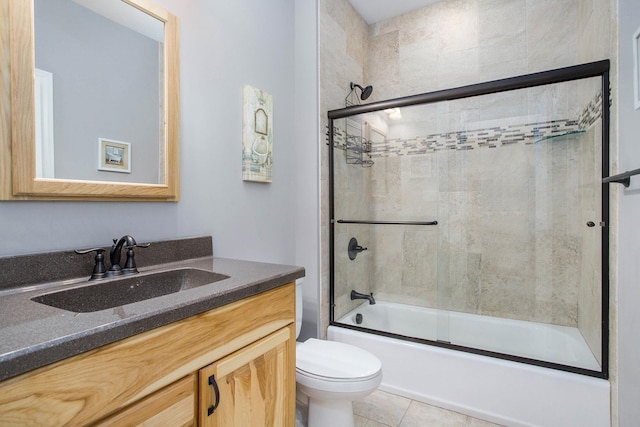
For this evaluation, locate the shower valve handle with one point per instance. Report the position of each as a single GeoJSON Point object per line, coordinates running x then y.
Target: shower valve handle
{"type": "Point", "coordinates": [354, 248]}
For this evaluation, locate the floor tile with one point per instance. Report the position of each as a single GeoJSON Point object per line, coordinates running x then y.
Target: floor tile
{"type": "Point", "coordinates": [480, 423]}
{"type": "Point", "coordinates": [421, 414]}
{"type": "Point", "coordinates": [372, 423]}
{"type": "Point", "coordinates": [359, 421]}
{"type": "Point", "coordinates": [382, 407]}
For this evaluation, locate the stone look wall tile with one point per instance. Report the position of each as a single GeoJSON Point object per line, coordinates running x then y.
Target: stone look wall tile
{"type": "Point", "coordinates": [551, 23]}
{"type": "Point", "coordinates": [501, 20]}
{"type": "Point", "coordinates": [344, 54]}
{"type": "Point", "coordinates": [494, 204]}
{"type": "Point", "coordinates": [458, 68]}
{"type": "Point", "coordinates": [414, 60]}
{"type": "Point", "coordinates": [357, 38]}
{"type": "Point", "coordinates": [458, 25]}
{"type": "Point", "coordinates": [488, 72]}
{"type": "Point", "coordinates": [384, 66]}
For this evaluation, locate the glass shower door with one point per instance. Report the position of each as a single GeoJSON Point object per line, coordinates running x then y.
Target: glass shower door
{"type": "Point", "coordinates": [478, 223]}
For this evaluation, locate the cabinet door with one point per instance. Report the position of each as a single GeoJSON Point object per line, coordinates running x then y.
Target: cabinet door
{"type": "Point", "coordinates": [255, 386]}
{"type": "Point", "coordinates": [174, 405]}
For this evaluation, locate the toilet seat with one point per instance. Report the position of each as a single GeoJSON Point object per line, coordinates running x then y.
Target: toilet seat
{"type": "Point", "coordinates": [335, 362]}
{"type": "Point", "coordinates": [300, 372]}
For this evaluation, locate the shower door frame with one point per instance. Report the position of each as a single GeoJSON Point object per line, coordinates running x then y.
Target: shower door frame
{"type": "Point", "coordinates": [560, 75]}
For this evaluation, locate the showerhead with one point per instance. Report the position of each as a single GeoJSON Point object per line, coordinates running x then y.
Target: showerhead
{"type": "Point", "coordinates": [365, 92]}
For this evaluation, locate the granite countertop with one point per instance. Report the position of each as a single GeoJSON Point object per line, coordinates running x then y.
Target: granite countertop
{"type": "Point", "coordinates": [33, 334]}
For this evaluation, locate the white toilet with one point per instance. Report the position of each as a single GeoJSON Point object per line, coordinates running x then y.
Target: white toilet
{"type": "Point", "coordinates": [331, 375]}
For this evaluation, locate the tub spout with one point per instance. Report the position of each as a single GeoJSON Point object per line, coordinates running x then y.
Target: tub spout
{"type": "Point", "coordinates": [358, 295]}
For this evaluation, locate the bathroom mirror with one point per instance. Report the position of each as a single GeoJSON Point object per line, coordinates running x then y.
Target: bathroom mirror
{"type": "Point", "coordinates": [94, 105]}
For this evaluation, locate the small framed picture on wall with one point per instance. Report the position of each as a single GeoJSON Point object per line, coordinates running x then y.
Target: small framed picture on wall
{"type": "Point", "coordinates": [114, 156]}
{"type": "Point", "coordinates": [636, 68]}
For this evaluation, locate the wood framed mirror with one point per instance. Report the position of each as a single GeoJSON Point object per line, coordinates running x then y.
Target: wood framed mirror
{"type": "Point", "coordinates": [105, 160]}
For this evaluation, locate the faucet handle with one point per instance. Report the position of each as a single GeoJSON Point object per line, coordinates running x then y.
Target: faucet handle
{"type": "Point", "coordinates": [86, 251]}
{"type": "Point", "coordinates": [99, 269]}
{"type": "Point", "coordinates": [130, 264]}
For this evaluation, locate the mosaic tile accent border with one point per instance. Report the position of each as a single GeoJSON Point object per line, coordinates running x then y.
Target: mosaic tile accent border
{"type": "Point", "coordinates": [492, 137]}
{"type": "Point", "coordinates": [591, 113]}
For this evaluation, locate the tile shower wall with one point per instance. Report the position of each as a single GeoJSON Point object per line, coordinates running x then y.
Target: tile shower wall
{"type": "Point", "coordinates": [448, 44]}
{"type": "Point", "coordinates": [512, 202]}
{"type": "Point", "coordinates": [509, 238]}
{"type": "Point", "coordinates": [458, 42]}
{"type": "Point", "coordinates": [344, 50]}
{"type": "Point", "coordinates": [352, 184]}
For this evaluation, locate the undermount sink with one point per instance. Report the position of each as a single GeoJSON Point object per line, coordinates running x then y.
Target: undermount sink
{"type": "Point", "coordinates": [129, 289]}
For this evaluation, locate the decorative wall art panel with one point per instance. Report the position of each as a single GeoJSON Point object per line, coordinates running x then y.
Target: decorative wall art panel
{"type": "Point", "coordinates": [257, 135]}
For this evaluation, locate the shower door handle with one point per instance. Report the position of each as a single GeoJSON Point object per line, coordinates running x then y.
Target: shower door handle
{"type": "Point", "coordinates": [593, 224]}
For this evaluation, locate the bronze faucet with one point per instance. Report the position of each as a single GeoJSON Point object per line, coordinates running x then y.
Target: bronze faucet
{"type": "Point", "coordinates": [115, 255]}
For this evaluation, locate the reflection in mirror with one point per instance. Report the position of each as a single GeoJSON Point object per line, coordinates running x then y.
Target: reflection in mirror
{"type": "Point", "coordinates": [100, 76]}
{"type": "Point", "coordinates": [45, 155]}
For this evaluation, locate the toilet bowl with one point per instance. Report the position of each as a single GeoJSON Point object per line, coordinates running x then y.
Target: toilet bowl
{"type": "Point", "coordinates": [332, 375]}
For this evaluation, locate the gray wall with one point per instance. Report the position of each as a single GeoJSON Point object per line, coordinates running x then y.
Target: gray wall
{"type": "Point", "coordinates": [224, 45]}
{"type": "Point", "coordinates": [307, 212]}
{"type": "Point", "coordinates": [105, 85]}
{"type": "Point", "coordinates": [629, 229]}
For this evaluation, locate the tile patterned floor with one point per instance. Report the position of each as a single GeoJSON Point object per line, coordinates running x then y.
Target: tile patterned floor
{"type": "Point", "coordinates": [381, 409]}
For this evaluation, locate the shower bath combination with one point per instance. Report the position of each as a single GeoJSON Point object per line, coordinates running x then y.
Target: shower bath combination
{"type": "Point", "coordinates": [478, 218]}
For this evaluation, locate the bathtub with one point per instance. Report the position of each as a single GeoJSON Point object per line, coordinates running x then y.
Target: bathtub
{"type": "Point", "coordinates": [501, 391]}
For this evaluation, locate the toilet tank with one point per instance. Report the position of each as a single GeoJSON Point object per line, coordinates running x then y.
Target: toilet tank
{"type": "Point", "coordinates": [298, 307]}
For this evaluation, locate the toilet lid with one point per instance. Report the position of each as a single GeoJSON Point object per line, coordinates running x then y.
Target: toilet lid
{"type": "Point", "coordinates": [336, 360]}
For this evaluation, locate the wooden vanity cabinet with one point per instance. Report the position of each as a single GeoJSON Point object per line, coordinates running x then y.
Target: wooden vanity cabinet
{"type": "Point", "coordinates": [161, 377]}
{"type": "Point", "coordinates": [172, 406]}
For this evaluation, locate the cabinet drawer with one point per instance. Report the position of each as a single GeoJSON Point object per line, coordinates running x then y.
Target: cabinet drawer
{"type": "Point", "coordinates": [174, 405]}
